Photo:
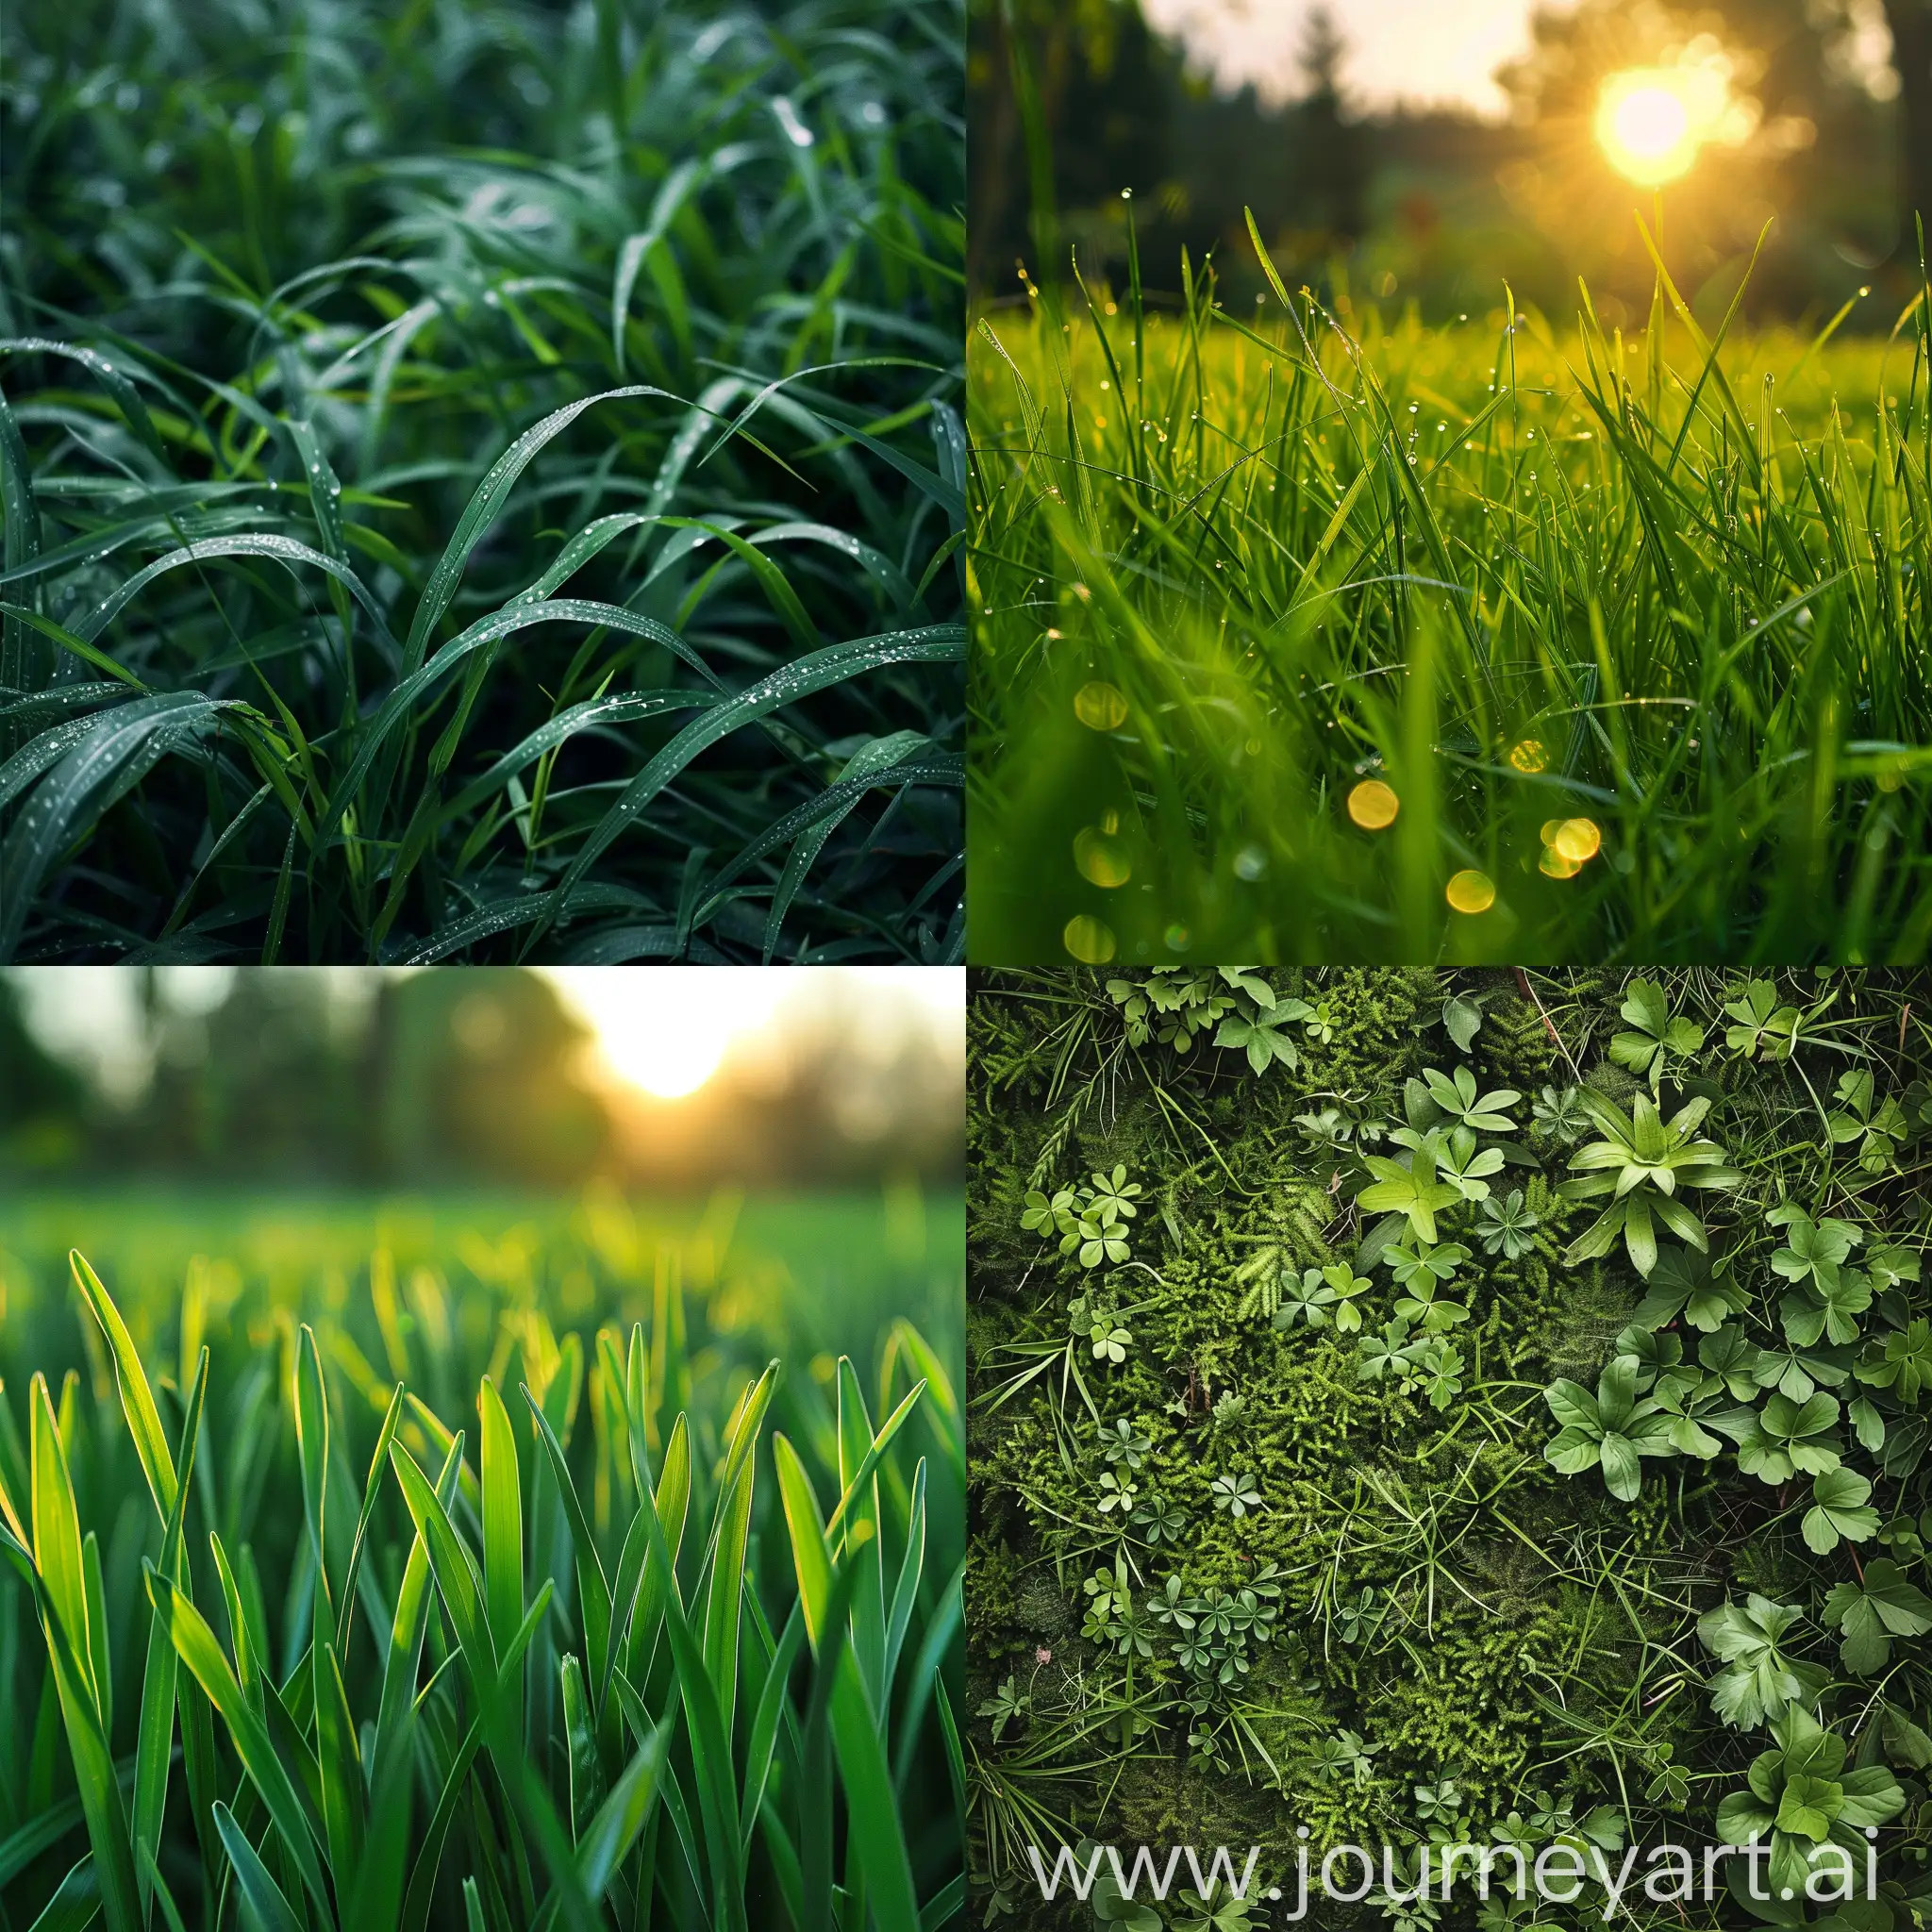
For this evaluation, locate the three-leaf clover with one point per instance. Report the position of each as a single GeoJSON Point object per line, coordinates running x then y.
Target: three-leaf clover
{"type": "Point", "coordinates": [1840, 1509]}
{"type": "Point", "coordinates": [1786, 1436]}
{"type": "Point", "coordinates": [1322, 1295]}
{"type": "Point", "coordinates": [1262, 1037]}
{"type": "Point", "coordinates": [1656, 1034]}
{"type": "Point", "coordinates": [1880, 1132]}
{"type": "Point", "coordinates": [1763, 1027]}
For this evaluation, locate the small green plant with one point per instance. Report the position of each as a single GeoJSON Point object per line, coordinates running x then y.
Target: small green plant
{"type": "Point", "coordinates": [1091, 1218]}
{"type": "Point", "coordinates": [1641, 1162]}
{"type": "Point", "coordinates": [1801, 1797]}
{"type": "Point", "coordinates": [1612, 1429]}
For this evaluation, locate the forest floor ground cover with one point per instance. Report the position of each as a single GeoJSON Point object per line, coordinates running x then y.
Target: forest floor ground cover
{"type": "Point", "coordinates": [1430, 1408]}
{"type": "Point", "coordinates": [479, 1563]}
{"type": "Point", "coordinates": [1306, 636]}
{"type": "Point", "coordinates": [480, 482]}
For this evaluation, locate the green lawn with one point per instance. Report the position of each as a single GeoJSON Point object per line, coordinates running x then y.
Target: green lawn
{"type": "Point", "coordinates": [512, 1585]}
{"type": "Point", "coordinates": [1299, 640]}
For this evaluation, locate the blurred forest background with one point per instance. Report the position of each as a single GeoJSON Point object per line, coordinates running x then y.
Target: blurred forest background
{"type": "Point", "coordinates": [1442, 204]}
{"type": "Point", "coordinates": [466, 1076]}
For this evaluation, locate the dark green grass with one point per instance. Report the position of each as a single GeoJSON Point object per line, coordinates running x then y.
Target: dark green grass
{"type": "Point", "coordinates": [745, 1770]}
{"type": "Point", "coordinates": [328, 635]}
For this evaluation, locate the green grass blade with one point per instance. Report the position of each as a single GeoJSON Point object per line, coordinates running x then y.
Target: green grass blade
{"type": "Point", "coordinates": [263, 1904]}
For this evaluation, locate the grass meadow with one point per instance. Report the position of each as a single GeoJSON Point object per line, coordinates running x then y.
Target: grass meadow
{"type": "Point", "coordinates": [1305, 639]}
{"type": "Point", "coordinates": [480, 481]}
{"type": "Point", "coordinates": [479, 1563]}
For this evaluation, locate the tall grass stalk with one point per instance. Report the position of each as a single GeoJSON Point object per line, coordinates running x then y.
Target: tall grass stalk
{"type": "Point", "coordinates": [1632, 629]}
{"type": "Point", "coordinates": [480, 481]}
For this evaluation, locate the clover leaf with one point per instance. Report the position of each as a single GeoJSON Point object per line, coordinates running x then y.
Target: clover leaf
{"type": "Point", "coordinates": [1657, 1036]}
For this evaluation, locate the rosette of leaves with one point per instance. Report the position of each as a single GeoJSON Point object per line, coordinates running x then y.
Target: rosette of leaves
{"type": "Point", "coordinates": [1760, 1679]}
{"type": "Point", "coordinates": [1612, 1429]}
{"type": "Point", "coordinates": [1120, 1442]}
{"type": "Point", "coordinates": [1654, 1033]}
{"type": "Point", "coordinates": [1878, 1126]}
{"type": "Point", "coordinates": [1507, 1227]}
{"type": "Point", "coordinates": [1346, 1755]}
{"type": "Point", "coordinates": [1801, 1797]}
{"type": "Point", "coordinates": [1869, 1613]}
{"type": "Point", "coordinates": [1322, 1295]}
{"type": "Point", "coordinates": [1560, 1114]}
{"type": "Point", "coordinates": [1409, 1187]}
{"type": "Point", "coordinates": [1642, 1162]}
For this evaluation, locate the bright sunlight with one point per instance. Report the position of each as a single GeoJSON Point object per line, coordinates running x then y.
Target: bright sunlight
{"type": "Point", "coordinates": [1653, 121]}
{"type": "Point", "coordinates": [668, 1032]}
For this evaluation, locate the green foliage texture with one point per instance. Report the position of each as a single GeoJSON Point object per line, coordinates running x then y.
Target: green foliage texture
{"type": "Point", "coordinates": [481, 480]}
{"type": "Point", "coordinates": [1505, 1418]}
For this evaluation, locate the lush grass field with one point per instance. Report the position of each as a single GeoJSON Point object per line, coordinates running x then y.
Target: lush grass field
{"type": "Point", "coordinates": [1625, 637]}
{"type": "Point", "coordinates": [534, 1567]}
{"type": "Point", "coordinates": [481, 480]}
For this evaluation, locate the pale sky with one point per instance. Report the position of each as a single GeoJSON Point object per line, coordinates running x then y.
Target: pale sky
{"type": "Point", "coordinates": [1416, 50]}
{"type": "Point", "coordinates": [1436, 51]}
{"type": "Point", "coordinates": [666, 1030]}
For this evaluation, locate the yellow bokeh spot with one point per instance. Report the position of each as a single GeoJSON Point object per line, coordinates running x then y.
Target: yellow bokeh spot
{"type": "Point", "coordinates": [1373, 805]}
{"type": "Point", "coordinates": [1577, 839]}
{"type": "Point", "coordinates": [1471, 892]}
{"type": "Point", "coordinates": [1529, 756]}
{"type": "Point", "coordinates": [1089, 939]}
{"type": "Point", "coordinates": [1102, 859]}
{"type": "Point", "coordinates": [1101, 707]}
{"type": "Point", "coordinates": [1554, 865]}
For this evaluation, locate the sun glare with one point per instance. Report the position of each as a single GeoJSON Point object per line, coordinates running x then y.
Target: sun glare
{"type": "Point", "coordinates": [668, 1032]}
{"type": "Point", "coordinates": [1653, 121]}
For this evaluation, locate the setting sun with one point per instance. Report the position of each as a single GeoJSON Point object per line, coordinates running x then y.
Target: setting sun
{"type": "Point", "coordinates": [1652, 121]}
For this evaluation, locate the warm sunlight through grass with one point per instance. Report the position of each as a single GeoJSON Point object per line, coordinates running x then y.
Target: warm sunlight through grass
{"type": "Point", "coordinates": [1328, 623]}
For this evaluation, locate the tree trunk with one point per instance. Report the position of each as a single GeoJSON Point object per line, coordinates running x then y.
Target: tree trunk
{"type": "Point", "coordinates": [1911, 40]}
